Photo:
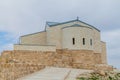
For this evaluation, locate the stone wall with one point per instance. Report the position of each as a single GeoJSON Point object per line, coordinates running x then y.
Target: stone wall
{"type": "Point", "coordinates": [84, 59]}
{"type": "Point", "coordinates": [60, 58]}
{"type": "Point", "coordinates": [20, 63]}
{"type": "Point", "coordinates": [27, 61]}
{"type": "Point", "coordinates": [38, 38]}
{"type": "Point", "coordinates": [78, 33]}
{"type": "Point", "coordinates": [12, 71]}
{"type": "Point", "coordinates": [104, 55]}
{"type": "Point", "coordinates": [31, 57]}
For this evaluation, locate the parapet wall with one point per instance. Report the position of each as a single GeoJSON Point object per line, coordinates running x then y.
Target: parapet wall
{"type": "Point", "coordinates": [35, 47]}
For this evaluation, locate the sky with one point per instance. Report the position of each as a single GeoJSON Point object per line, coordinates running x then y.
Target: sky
{"type": "Point", "coordinates": [20, 17]}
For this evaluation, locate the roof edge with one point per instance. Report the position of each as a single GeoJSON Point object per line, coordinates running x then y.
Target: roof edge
{"type": "Point", "coordinates": [89, 25]}
{"type": "Point", "coordinates": [74, 21]}
{"type": "Point", "coordinates": [33, 45]}
{"type": "Point", "coordinates": [32, 33]}
{"type": "Point", "coordinates": [63, 23]}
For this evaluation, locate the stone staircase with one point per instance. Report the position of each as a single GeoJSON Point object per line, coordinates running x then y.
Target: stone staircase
{"type": "Point", "coordinates": [53, 73]}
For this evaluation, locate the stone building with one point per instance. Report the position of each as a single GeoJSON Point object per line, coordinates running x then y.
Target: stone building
{"type": "Point", "coordinates": [71, 35]}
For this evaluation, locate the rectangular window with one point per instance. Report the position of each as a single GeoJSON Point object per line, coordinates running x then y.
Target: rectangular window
{"type": "Point", "coordinates": [73, 41]}
{"type": "Point", "coordinates": [83, 41]}
{"type": "Point", "coordinates": [91, 42]}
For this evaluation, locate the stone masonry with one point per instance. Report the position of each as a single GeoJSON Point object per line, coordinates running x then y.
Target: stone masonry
{"type": "Point", "coordinates": [15, 64]}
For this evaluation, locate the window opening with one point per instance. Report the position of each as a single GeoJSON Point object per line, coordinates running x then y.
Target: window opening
{"type": "Point", "coordinates": [73, 39]}
{"type": "Point", "coordinates": [83, 41]}
{"type": "Point", "coordinates": [91, 42]}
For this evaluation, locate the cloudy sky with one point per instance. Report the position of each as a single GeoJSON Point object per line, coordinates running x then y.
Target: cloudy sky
{"type": "Point", "coordinates": [19, 17]}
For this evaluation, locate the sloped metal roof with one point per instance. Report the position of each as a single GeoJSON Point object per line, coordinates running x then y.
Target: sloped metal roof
{"type": "Point", "coordinates": [52, 24]}
{"type": "Point", "coordinates": [76, 25]}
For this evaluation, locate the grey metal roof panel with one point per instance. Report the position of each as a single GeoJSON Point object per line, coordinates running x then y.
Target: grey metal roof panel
{"type": "Point", "coordinates": [62, 23]}
{"type": "Point", "coordinates": [89, 25]}
{"type": "Point", "coordinates": [76, 25]}
{"type": "Point", "coordinates": [51, 23]}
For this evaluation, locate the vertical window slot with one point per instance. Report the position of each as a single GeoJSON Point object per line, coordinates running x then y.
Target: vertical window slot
{"type": "Point", "coordinates": [73, 39]}
{"type": "Point", "coordinates": [91, 42]}
{"type": "Point", "coordinates": [83, 41]}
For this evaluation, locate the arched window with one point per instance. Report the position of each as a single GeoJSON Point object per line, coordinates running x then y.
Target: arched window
{"type": "Point", "coordinates": [83, 41]}
{"type": "Point", "coordinates": [73, 41]}
{"type": "Point", "coordinates": [91, 42]}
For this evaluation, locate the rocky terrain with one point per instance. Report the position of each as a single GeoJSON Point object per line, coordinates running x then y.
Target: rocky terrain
{"type": "Point", "coordinates": [100, 75]}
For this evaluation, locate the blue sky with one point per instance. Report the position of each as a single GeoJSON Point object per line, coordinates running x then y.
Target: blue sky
{"type": "Point", "coordinates": [20, 17]}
